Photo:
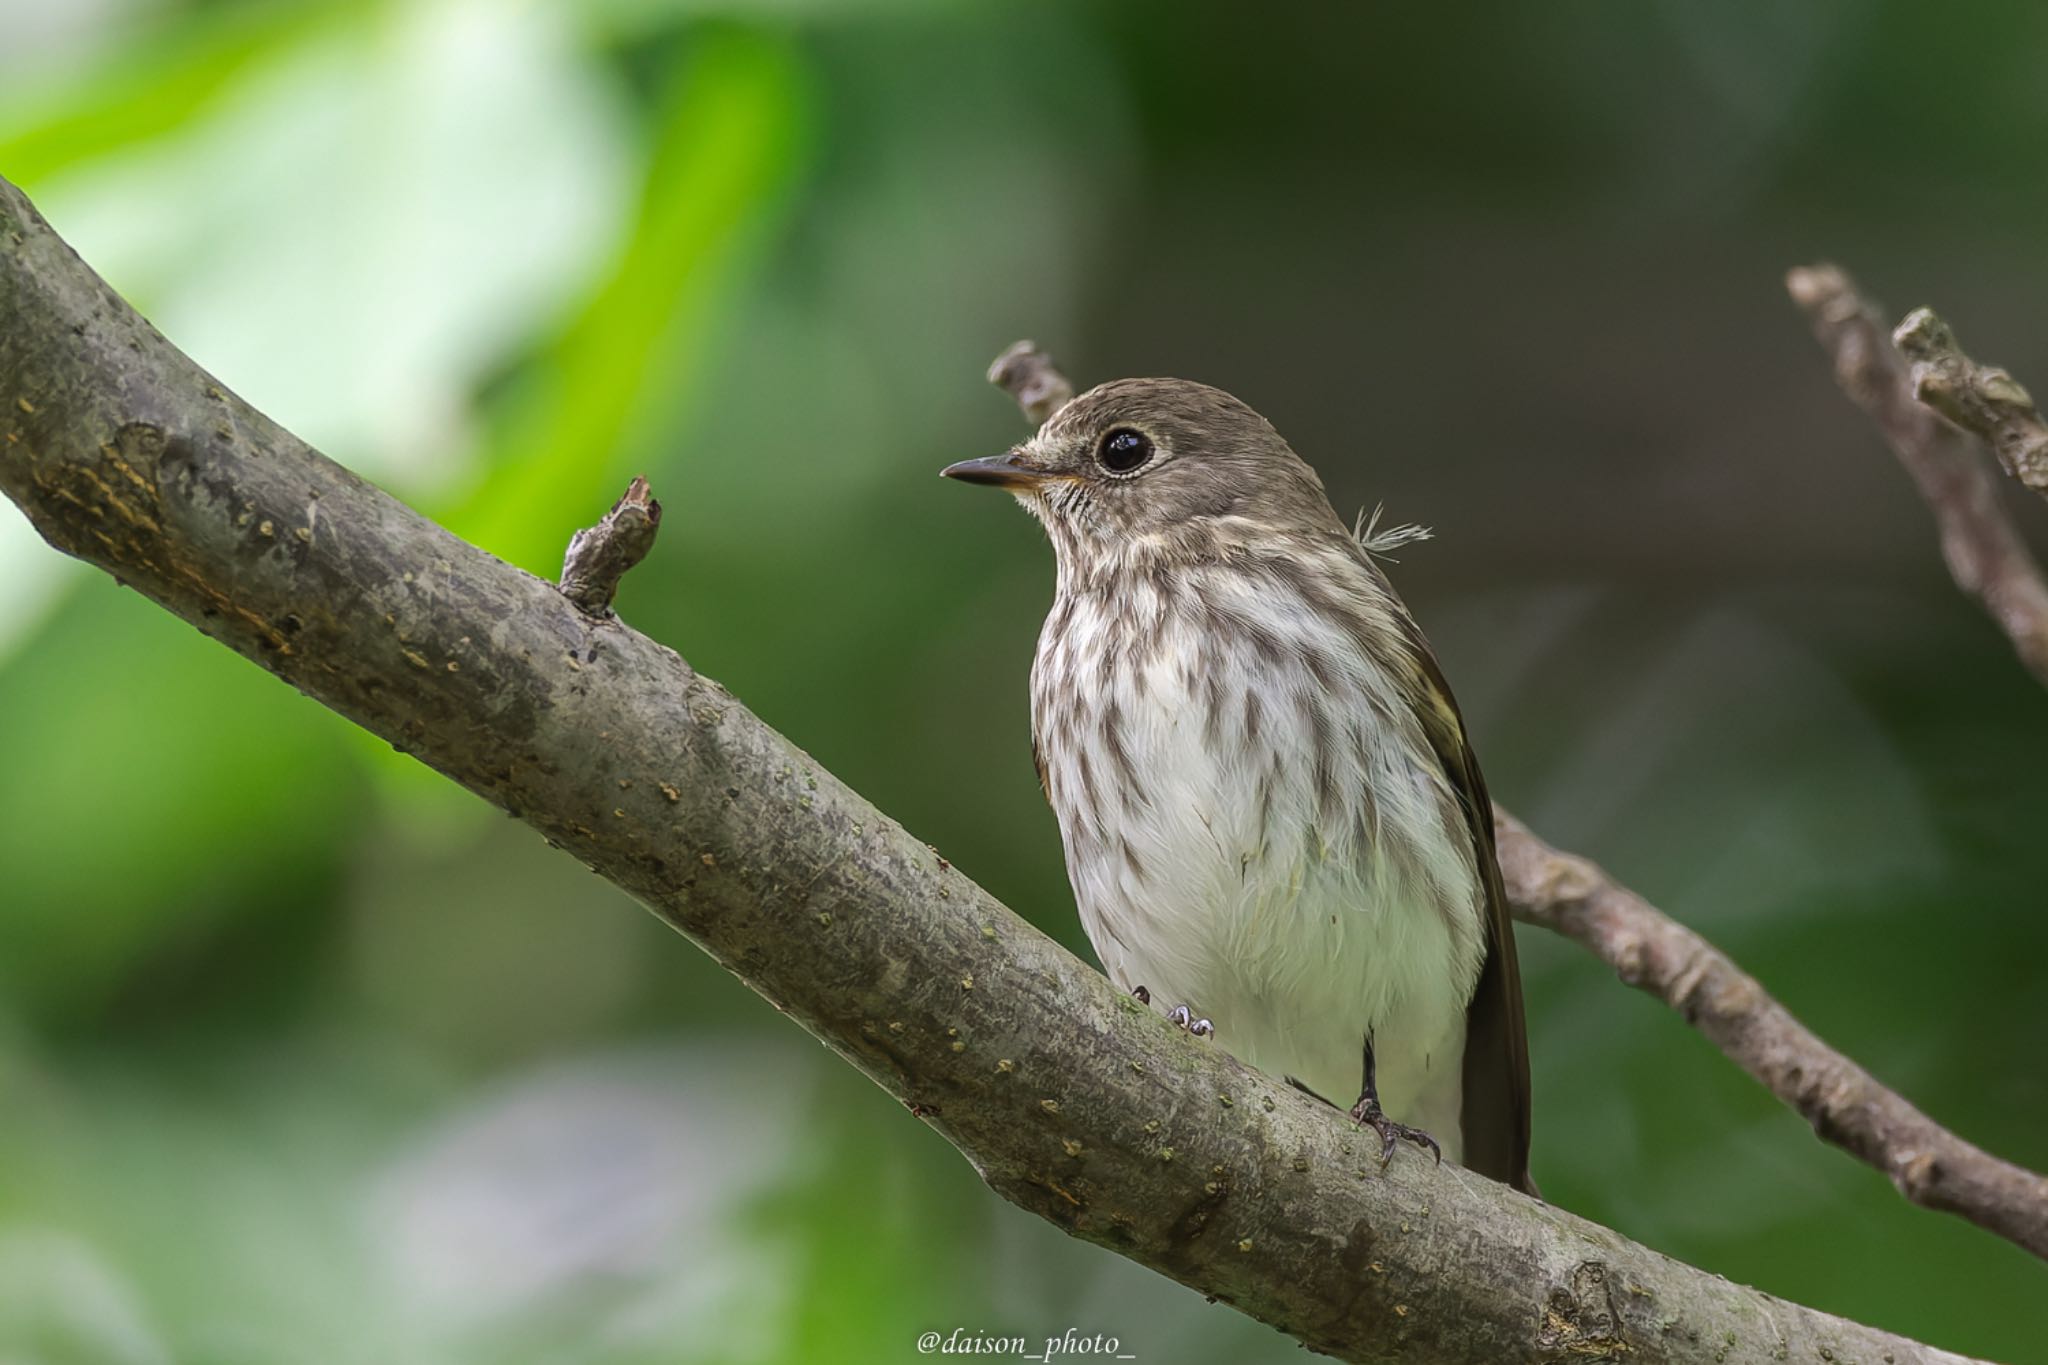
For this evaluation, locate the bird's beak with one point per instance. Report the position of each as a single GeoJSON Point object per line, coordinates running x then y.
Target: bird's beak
{"type": "Point", "coordinates": [1007, 470]}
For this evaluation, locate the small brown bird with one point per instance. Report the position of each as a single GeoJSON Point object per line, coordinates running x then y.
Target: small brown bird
{"type": "Point", "coordinates": [1271, 814]}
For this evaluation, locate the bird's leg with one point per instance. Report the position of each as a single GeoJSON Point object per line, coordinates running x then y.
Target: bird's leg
{"type": "Point", "coordinates": [1180, 1015]}
{"type": "Point", "coordinates": [1367, 1112]}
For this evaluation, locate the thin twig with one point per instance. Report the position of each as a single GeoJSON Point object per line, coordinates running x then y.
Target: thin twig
{"type": "Point", "coordinates": [599, 556]}
{"type": "Point", "coordinates": [1846, 1106]}
{"type": "Point", "coordinates": [1931, 1166]}
{"type": "Point", "coordinates": [1985, 554]}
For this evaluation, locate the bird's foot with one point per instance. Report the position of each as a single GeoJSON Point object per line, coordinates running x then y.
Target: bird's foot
{"type": "Point", "coordinates": [1368, 1114]}
{"type": "Point", "coordinates": [1180, 1015]}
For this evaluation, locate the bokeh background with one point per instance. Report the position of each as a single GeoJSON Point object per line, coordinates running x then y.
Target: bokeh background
{"type": "Point", "coordinates": [306, 1056]}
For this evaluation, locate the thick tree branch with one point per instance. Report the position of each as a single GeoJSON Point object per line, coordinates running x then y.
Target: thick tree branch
{"type": "Point", "coordinates": [1647, 949]}
{"type": "Point", "coordinates": [1985, 554]}
{"type": "Point", "coordinates": [1071, 1101]}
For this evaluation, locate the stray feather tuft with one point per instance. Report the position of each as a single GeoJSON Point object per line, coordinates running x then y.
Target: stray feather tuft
{"type": "Point", "coordinates": [1371, 539]}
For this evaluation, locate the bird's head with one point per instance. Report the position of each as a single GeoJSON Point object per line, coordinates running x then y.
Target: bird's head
{"type": "Point", "coordinates": [1155, 464]}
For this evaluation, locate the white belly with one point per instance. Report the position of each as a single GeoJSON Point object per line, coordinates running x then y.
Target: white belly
{"type": "Point", "coordinates": [1220, 863]}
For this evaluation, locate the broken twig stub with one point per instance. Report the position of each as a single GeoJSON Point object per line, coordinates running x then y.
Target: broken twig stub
{"type": "Point", "coordinates": [1028, 375]}
{"type": "Point", "coordinates": [599, 556]}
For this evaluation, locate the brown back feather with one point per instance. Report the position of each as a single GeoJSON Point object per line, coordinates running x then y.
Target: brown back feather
{"type": "Point", "coordinates": [1495, 1119]}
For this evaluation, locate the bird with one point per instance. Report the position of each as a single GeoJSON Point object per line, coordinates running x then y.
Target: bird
{"type": "Point", "coordinates": [1270, 810]}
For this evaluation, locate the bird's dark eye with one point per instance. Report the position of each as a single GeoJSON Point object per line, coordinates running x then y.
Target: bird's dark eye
{"type": "Point", "coordinates": [1124, 450]}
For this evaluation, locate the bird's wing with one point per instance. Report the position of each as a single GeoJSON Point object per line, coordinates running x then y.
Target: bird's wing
{"type": "Point", "coordinates": [1496, 1065]}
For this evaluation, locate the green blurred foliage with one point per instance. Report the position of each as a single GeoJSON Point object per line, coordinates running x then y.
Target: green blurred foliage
{"type": "Point", "coordinates": [305, 1056]}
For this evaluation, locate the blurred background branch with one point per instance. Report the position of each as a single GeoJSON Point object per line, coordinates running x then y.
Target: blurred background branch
{"type": "Point", "coordinates": [1982, 399]}
{"type": "Point", "coordinates": [1985, 553]}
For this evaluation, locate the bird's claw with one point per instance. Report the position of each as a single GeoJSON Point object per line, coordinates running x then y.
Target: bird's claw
{"type": "Point", "coordinates": [1180, 1016]}
{"type": "Point", "coordinates": [1368, 1114]}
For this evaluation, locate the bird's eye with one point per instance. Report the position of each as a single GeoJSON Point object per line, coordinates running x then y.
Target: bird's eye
{"type": "Point", "coordinates": [1125, 451]}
